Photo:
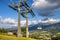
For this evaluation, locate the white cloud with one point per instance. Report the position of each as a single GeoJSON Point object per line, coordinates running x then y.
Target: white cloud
{"type": "Point", "coordinates": [44, 4]}
{"type": "Point", "coordinates": [12, 22]}
{"type": "Point", "coordinates": [9, 20]}
{"type": "Point", "coordinates": [46, 7]}
{"type": "Point", "coordinates": [29, 22]}
{"type": "Point", "coordinates": [50, 20]}
{"type": "Point", "coordinates": [35, 21]}
{"type": "Point", "coordinates": [8, 23]}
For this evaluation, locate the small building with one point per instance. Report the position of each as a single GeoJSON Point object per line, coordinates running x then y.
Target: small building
{"type": "Point", "coordinates": [10, 33]}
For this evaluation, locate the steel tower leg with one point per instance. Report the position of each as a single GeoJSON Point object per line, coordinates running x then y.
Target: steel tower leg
{"type": "Point", "coordinates": [19, 28]}
{"type": "Point", "coordinates": [27, 33]}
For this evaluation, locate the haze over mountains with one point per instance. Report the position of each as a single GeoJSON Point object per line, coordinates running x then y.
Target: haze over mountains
{"type": "Point", "coordinates": [46, 21]}
{"type": "Point", "coordinates": [47, 24]}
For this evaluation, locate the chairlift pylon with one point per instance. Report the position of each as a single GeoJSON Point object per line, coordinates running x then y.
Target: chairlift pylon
{"type": "Point", "coordinates": [20, 12]}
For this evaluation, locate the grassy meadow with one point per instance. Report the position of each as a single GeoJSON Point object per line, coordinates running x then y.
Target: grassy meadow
{"type": "Point", "coordinates": [12, 37]}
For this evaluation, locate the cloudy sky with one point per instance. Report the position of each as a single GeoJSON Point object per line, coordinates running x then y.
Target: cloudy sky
{"type": "Point", "coordinates": [41, 8]}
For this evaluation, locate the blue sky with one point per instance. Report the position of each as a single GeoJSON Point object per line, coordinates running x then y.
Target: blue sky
{"type": "Point", "coordinates": [7, 12]}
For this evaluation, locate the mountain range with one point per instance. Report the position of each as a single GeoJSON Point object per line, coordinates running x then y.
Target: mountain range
{"type": "Point", "coordinates": [52, 25]}
{"type": "Point", "coordinates": [45, 23]}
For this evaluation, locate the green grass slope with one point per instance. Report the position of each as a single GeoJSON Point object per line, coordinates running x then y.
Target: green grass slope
{"type": "Point", "coordinates": [6, 37]}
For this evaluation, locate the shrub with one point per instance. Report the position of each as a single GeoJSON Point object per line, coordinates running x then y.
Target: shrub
{"type": "Point", "coordinates": [3, 30]}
